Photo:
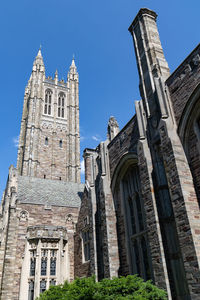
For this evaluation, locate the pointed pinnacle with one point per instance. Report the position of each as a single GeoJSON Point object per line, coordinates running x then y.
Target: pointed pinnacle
{"type": "Point", "coordinates": [73, 62]}
{"type": "Point", "coordinates": [39, 53]}
{"type": "Point", "coordinates": [56, 74]}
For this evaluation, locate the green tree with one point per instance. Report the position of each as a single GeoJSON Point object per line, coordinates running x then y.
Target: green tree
{"type": "Point", "coordinates": [127, 288]}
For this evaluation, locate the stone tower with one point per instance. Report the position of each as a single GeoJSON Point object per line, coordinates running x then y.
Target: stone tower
{"type": "Point", "coordinates": [49, 144]}
{"type": "Point", "coordinates": [40, 204]}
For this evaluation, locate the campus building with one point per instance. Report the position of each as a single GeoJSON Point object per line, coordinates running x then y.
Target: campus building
{"type": "Point", "coordinates": [138, 211]}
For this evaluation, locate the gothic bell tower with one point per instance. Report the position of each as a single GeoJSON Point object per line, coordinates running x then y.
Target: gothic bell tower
{"type": "Point", "coordinates": [49, 144]}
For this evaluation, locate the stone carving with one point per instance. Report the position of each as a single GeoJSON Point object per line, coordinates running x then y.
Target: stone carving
{"type": "Point", "coordinates": [113, 128]}
{"type": "Point", "coordinates": [46, 232]}
{"type": "Point", "coordinates": [70, 222]}
{"type": "Point", "coordinates": [69, 218]}
{"type": "Point", "coordinates": [196, 60]}
{"type": "Point", "coordinates": [23, 216]}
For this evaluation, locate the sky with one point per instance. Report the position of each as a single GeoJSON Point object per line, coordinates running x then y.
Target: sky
{"type": "Point", "coordinates": [96, 33]}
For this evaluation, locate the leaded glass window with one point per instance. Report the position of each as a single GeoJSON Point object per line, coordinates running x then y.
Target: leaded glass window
{"type": "Point", "coordinates": [136, 233]}
{"type": "Point", "coordinates": [42, 286]}
{"type": "Point", "coordinates": [48, 102]}
{"type": "Point", "coordinates": [52, 282]}
{"type": "Point", "coordinates": [31, 290]}
{"type": "Point", "coordinates": [44, 266]}
{"type": "Point", "coordinates": [32, 266]}
{"type": "Point", "coordinates": [53, 266]}
{"type": "Point", "coordinates": [32, 262]}
{"type": "Point", "coordinates": [61, 105]}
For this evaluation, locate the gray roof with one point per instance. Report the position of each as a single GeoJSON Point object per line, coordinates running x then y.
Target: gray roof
{"type": "Point", "coordinates": [49, 192]}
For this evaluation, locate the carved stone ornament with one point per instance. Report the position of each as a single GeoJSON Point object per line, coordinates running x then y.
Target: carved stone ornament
{"type": "Point", "coordinates": [23, 215]}
{"type": "Point", "coordinates": [196, 60]}
{"type": "Point", "coordinates": [69, 218]}
{"type": "Point", "coordinates": [113, 128]}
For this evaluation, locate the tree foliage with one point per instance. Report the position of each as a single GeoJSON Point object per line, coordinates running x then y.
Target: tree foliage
{"type": "Point", "coordinates": [127, 288]}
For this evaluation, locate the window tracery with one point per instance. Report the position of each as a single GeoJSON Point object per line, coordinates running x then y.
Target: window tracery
{"type": "Point", "coordinates": [48, 262]}
{"type": "Point", "coordinates": [52, 282]}
{"type": "Point", "coordinates": [44, 266]}
{"type": "Point", "coordinates": [48, 102]}
{"type": "Point", "coordinates": [32, 262]}
{"type": "Point", "coordinates": [61, 105]}
{"type": "Point", "coordinates": [42, 286]}
{"type": "Point", "coordinates": [136, 233]}
{"type": "Point", "coordinates": [31, 290]}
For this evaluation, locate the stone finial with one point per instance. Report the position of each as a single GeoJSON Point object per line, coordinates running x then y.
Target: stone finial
{"type": "Point", "coordinates": [56, 77]}
{"type": "Point", "coordinates": [72, 68]}
{"type": "Point", "coordinates": [113, 128]}
{"type": "Point", "coordinates": [73, 74]}
{"type": "Point", "coordinates": [38, 62]}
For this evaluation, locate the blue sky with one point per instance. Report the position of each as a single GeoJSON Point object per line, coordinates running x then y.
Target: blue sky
{"type": "Point", "coordinates": [96, 32]}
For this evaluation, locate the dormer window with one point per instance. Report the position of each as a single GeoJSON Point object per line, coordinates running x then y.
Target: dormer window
{"type": "Point", "coordinates": [61, 105]}
{"type": "Point", "coordinates": [48, 102]}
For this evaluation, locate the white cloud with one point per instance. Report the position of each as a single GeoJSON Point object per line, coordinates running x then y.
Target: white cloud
{"type": "Point", "coordinates": [16, 141]}
{"type": "Point", "coordinates": [82, 138]}
{"type": "Point", "coordinates": [82, 167]}
{"type": "Point", "coordinates": [96, 137]}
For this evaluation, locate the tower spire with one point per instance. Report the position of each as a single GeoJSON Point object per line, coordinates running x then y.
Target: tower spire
{"type": "Point", "coordinates": [38, 62]}
{"type": "Point", "coordinates": [73, 74]}
{"type": "Point", "coordinates": [73, 66]}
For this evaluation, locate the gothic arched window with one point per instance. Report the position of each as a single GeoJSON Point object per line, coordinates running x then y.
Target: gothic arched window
{"type": "Point", "coordinates": [42, 286]}
{"type": "Point", "coordinates": [53, 266]}
{"type": "Point", "coordinates": [61, 105]}
{"type": "Point", "coordinates": [48, 102]}
{"type": "Point", "coordinates": [135, 224]}
{"type": "Point", "coordinates": [52, 282]}
{"type": "Point", "coordinates": [44, 265]}
{"type": "Point", "coordinates": [31, 290]}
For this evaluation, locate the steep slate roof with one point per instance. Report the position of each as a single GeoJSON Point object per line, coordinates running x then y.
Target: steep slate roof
{"type": "Point", "coordinates": [49, 192]}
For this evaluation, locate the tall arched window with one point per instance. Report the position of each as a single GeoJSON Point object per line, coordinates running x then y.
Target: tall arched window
{"type": "Point", "coordinates": [31, 290]}
{"type": "Point", "coordinates": [61, 105]}
{"type": "Point", "coordinates": [135, 224]}
{"type": "Point", "coordinates": [48, 102]}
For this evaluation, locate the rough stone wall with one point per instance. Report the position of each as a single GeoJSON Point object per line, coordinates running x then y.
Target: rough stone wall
{"type": "Point", "coordinates": [105, 261]}
{"type": "Point", "coordinates": [125, 141]}
{"type": "Point", "coordinates": [52, 157]}
{"type": "Point", "coordinates": [194, 161]}
{"type": "Point", "coordinates": [84, 268]}
{"type": "Point", "coordinates": [121, 236]}
{"type": "Point", "coordinates": [182, 86]}
{"type": "Point", "coordinates": [54, 161]}
{"type": "Point", "coordinates": [107, 249]}
{"type": "Point", "coordinates": [159, 270]}
{"type": "Point", "coordinates": [16, 239]}
{"type": "Point", "coordinates": [178, 191]}
{"type": "Point", "coordinates": [185, 207]}
{"type": "Point", "coordinates": [183, 82]}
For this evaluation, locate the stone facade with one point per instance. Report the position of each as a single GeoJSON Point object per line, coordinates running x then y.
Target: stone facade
{"type": "Point", "coordinates": [143, 182]}
{"type": "Point", "coordinates": [49, 144]}
{"type": "Point", "coordinates": [138, 212]}
{"type": "Point", "coordinates": [40, 205]}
